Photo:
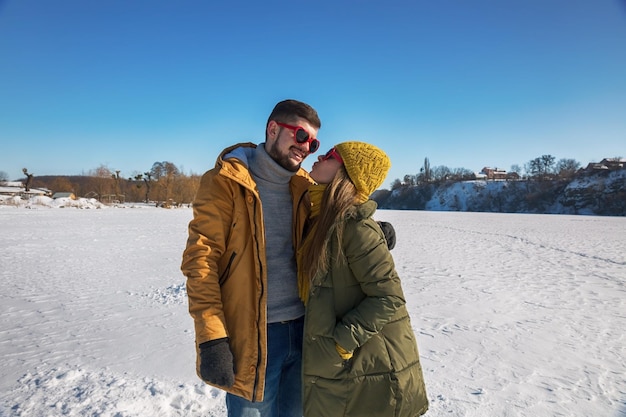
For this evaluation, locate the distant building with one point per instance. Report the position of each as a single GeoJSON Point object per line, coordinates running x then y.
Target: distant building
{"type": "Point", "coordinates": [494, 173]}
{"type": "Point", "coordinates": [614, 163]}
{"type": "Point", "coordinates": [14, 188]}
{"type": "Point", "coordinates": [11, 184]}
{"type": "Point", "coordinates": [512, 176]}
{"type": "Point", "coordinates": [64, 195]}
{"type": "Point", "coordinates": [11, 191]}
{"type": "Point", "coordinates": [497, 174]}
{"type": "Point", "coordinates": [596, 166]}
{"type": "Point", "coordinates": [607, 164]}
{"type": "Point", "coordinates": [480, 176]}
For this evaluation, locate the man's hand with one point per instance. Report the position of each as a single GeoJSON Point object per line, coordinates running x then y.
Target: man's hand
{"type": "Point", "coordinates": [216, 362]}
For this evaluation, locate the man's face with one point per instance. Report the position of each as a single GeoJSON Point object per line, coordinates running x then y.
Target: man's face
{"type": "Point", "coordinates": [282, 146]}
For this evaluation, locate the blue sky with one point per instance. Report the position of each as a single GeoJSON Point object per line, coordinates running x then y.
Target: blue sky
{"type": "Point", "coordinates": [126, 83]}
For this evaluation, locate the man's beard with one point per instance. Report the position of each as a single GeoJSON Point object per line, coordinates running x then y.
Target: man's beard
{"type": "Point", "coordinates": [282, 159]}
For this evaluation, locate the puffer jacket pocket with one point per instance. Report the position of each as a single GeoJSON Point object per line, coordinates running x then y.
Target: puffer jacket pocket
{"type": "Point", "coordinates": [322, 359]}
{"type": "Point", "coordinates": [325, 397]}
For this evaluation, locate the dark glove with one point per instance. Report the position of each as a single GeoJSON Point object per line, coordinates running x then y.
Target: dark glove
{"type": "Point", "coordinates": [216, 362]}
{"type": "Point", "coordinates": [390, 234]}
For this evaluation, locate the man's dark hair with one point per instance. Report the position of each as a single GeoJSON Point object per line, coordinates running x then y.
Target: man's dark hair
{"type": "Point", "coordinates": [287, 111]}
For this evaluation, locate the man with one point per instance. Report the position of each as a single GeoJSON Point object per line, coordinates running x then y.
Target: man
{"type": "Point", "coordinates": [249, 216]}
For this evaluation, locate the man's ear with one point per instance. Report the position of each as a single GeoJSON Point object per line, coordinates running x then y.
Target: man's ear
{"type": "Point", "coordinates": [272, 130]}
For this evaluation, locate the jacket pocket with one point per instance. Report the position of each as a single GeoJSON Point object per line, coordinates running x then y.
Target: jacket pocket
{"type": "Point", "coordinates": [325, 397]}
{"type": "Point", "coordinates": [224, 275]}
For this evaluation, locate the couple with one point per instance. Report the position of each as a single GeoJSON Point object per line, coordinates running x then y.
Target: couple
{"type": "Point", "coordinates": [269, 242]}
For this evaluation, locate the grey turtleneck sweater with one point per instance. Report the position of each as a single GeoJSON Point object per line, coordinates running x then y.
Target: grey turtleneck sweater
{"type": "Point", "coordinates": [272, 180]}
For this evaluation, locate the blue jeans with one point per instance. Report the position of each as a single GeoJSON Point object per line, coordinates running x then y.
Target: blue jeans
{"type": "Point", "coordinates": [283, 378]}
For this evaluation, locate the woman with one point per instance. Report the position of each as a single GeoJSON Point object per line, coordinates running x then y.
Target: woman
{"type": "Point", "coordinates": [360, 356]}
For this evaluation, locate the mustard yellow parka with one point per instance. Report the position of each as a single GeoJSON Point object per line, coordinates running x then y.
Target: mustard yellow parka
{"type": "Point", "coordinates": [225, 264]}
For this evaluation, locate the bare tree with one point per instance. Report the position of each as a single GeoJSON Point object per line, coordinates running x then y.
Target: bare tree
{"type": "Point", "coordinates": [165, 174]}
{"type": "Point", "coordinates": [147, 179]}
{"type": "Point", "coordinates": [460, 174]}
{"type": "Point", "coordinates": [62, 184]}
{"type": "Point", "coordinates": [185, 188]}
{"type": "Point", "coordinates": [116, 178]}
{"type": "Point", "coordinates": [426, 170]}
{"type": "Point", "coordinates": [566, 168]}
{"type": "Point", "coordinates": [440, 173]}
{"type": "Point", "coordinates": [542, 166]}
{"type": "Point", "coordinates": [132, 188]}
{"type": "Point", "coordinates": [29, 179]}
{"type": "Point", "coordinates": [101, 181]}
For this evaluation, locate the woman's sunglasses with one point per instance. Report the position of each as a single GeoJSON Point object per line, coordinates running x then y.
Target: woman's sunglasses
{"type": "Point", "coordinates": [333, 154]}
{"type": "Point", "coordinates": [302, 136]}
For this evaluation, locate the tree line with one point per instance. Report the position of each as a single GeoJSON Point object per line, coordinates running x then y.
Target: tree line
{"type": "Point", "coordinates": [543, 167]}
{"type": "Point", "coordinates": [164, 183]}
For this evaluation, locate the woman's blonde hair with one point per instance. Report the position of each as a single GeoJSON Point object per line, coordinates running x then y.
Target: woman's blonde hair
{"type": "Point", "coordinates": [338, 203]}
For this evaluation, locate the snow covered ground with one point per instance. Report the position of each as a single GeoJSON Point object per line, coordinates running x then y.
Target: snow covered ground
{"type": "Point", "coordinates": [515, 315]}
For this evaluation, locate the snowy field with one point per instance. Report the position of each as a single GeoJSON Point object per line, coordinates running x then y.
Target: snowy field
{"type": "Point", "coordinates": [515, 315]}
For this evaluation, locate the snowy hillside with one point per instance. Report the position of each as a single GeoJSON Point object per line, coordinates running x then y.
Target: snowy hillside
{"type": "Point", "coordinates": [602, 193]}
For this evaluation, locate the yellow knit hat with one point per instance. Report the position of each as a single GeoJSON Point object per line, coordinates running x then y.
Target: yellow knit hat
{"type": "Point", "coordinates": [366, 164]}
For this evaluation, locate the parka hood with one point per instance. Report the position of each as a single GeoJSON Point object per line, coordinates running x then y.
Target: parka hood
{"type": "Point", "coordinates": [241, 151]}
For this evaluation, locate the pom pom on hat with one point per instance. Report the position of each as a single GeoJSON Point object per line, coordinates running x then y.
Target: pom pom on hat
{"type": "Point", "coordinates": [367, 166]}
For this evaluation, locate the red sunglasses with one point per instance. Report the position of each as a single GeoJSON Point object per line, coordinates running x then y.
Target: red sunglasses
{"type": "Point", "coordinates": [302, 136]}
{"type": "Point", "coordinates": [332, 154]}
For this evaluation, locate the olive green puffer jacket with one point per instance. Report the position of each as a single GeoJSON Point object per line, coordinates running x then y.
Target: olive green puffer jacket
{"type": "Point", "coordinates": [359, 304]}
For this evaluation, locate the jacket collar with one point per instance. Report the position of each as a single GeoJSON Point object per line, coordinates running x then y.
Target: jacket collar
{"type": "Point", "coordinates": [366, 210]}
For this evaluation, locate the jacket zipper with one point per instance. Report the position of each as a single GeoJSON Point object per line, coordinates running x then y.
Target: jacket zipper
{"type": "Point", "coordinates": [260, 330]}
